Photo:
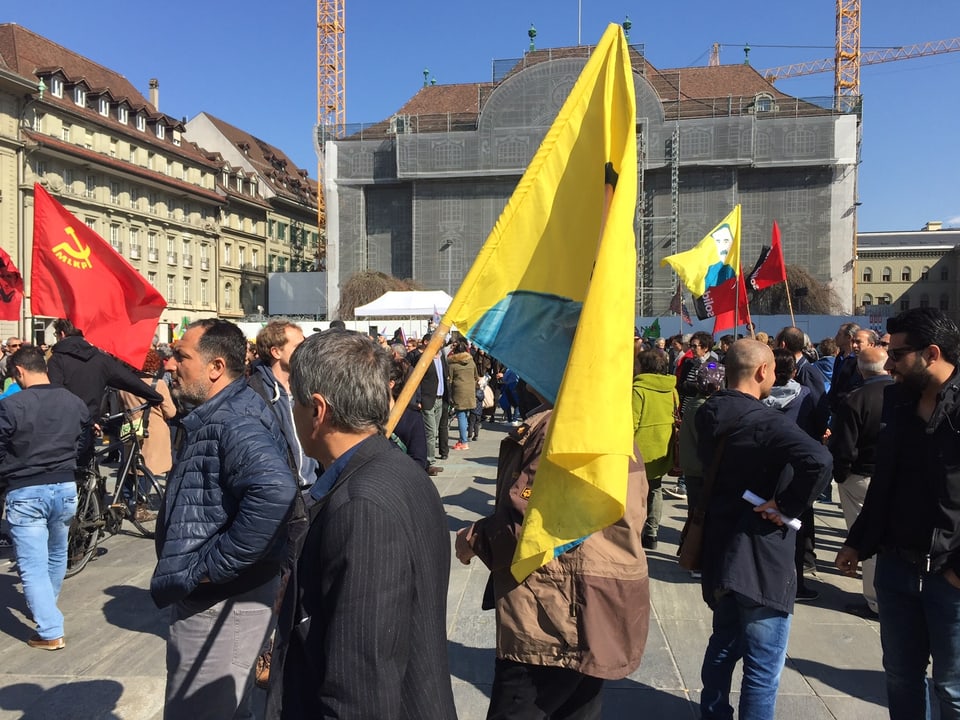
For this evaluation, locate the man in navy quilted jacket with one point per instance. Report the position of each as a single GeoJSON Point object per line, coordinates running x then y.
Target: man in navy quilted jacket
{"type": "Point", "coordinates": [221, 534]}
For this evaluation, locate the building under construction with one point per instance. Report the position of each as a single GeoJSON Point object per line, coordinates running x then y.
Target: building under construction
{"type": "Point", "coordinates": [416, 195]}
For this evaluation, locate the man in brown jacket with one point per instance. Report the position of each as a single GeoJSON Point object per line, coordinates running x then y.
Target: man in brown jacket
{"type": "Point", "coordinates": [555, 647]}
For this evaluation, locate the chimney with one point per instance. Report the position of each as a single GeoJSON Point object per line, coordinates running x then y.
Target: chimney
{"type": "Point", "coordinates": [155, 93]}
{"type": "Point", "coordinates": [933, 225]}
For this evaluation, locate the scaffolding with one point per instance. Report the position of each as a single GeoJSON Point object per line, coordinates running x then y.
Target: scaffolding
{"type": "Point", "coordinates": [418, 194]}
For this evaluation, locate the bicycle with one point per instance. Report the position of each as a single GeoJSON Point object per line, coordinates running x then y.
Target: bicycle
{"type": "Point", "coordinates": [100, 512]}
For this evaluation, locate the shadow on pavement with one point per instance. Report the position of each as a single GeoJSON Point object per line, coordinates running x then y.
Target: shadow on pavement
{"type": "Point", "coordinates": [132, 608]}
{"type": "Point", "coordinates": [11, 597]}
{"type": "Point", "coordinates": [88, 699]}
{"type": "Point", "coordinates": [869, 685]}
{"type": "Point", "coordinates": [472, 499]}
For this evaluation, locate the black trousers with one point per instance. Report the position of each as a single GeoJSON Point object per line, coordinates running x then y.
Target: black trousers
{"type": "Point", "coordinates": [535, 692]}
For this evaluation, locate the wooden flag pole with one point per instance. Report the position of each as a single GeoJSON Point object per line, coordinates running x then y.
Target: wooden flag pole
{"type": "Point", "coordinates": [786, 287]}
{"type": "Point", "coordinates": [413, 381]}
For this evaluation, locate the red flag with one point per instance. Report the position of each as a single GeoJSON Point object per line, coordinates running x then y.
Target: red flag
{"type": "Point", "coordinates": [78, 276]}
{"type": "Point", "coordinates": [719, 301]}
{"type": "Point", "coordinates": [11, 288]}
{"type": "Point", "coordinates": [770, 268]}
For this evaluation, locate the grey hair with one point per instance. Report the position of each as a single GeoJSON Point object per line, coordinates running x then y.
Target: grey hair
{"type": "Point", "coordinates": [350, 371]}
{"type": "Point", "coordinates": [872, 337]}
{"type": "Point", "coordinates": [871, 368]}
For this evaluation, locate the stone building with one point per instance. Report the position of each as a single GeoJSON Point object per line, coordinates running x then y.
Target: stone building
{"type": "Point", "coordinates": [907, 269]}
{"type": "Point", "coordinates": [416, 195]}
{"type": "Point", "coordinates": [169, 206]}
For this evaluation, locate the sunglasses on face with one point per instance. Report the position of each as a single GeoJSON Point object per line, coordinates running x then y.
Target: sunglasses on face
{"type": "Point", "coordinates": [897, 354]}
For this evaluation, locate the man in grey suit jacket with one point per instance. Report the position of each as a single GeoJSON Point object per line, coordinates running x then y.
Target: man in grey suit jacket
{"type": "Point", "coordinates": [363, 628]}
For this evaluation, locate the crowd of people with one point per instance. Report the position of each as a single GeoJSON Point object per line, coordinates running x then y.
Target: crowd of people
{"type": "Point", "coordinates": [291, 512]}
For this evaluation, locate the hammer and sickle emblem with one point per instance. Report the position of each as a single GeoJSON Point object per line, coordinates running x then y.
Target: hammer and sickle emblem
{"type": "Point", "coordinates": [79, 252]}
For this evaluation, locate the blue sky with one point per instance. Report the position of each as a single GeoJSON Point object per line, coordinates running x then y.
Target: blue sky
{"type": "Point", "coordinates": [254, 65]}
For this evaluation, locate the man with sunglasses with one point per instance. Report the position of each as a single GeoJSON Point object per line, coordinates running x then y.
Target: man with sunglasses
{"type": "Point", "coordinates": [911, 516]}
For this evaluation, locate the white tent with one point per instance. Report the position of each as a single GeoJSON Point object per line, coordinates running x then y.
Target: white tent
{"type": "Point", "coordinates": [411, 303]}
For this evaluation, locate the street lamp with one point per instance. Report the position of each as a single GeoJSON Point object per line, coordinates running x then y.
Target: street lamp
{"type": "Point", "coordinates": [447, 244]}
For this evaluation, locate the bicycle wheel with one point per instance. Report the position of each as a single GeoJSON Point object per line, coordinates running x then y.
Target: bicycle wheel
{"type": "Point", "coordinates": [149, 497]}
{"type": "Point", "coordinates": [84, 533]}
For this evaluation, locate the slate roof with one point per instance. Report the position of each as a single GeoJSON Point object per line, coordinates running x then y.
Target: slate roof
{"type": "Point", "coordinates": [276, 168]}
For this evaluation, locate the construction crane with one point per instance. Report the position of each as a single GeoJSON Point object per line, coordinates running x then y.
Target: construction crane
{"type": "Point", "coordinates": [869, 57]}
{"type": "Point", "coordinates": [331, 96]}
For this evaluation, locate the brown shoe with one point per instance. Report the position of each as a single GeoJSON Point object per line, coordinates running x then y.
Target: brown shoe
{"type": "Point", "coordinates": [38, 642]}
{"type": "Point", "coordinates": [142, 514]}
{"type": "Point", "coordinates": [262, 676]}
{"type": "Point", "coordinates": [434, 470]}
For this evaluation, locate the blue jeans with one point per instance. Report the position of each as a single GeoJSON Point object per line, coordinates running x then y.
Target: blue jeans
{"type": "Point", "coordinates": [39, 518]}
{"type": "Point", "coordinates": [462, 425]}
{"type": "Point", "coordinates": [758, 635]}
{"type": "Point", "coordinates": [917, 621]}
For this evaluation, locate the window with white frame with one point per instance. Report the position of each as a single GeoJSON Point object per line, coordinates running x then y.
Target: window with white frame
{"type": "Point", "coordinates": [152, 278]}
{"type": "Point", "coordinates": [38, 123]}
{"type": "Point", "coordinates": [886, 275]}
{"type": "Point", "coordinates": [135, 238]}
{"type": "Point", "coordinates": [65, 130]}
{"type": "Point", "coordinates": [161, 130]}
{"type": "Point", "coordinates": [91, 186]}
{"type": "Point", "coordinates": [68, 180]}
{"type": "Point", "coordinates": [204, 300]}
{"type": "Point", "coordinates": [171, 244]}
{"type": "Point", "coordinates": [135, 196]}
{"type": "Point", "coordinates": [241, 255]}
{"type": "Point", "coordinates": [254, 257]}
{"type": "Point", "coordinates": [40, 168]}
{"type": "Point", "coordinates": [187, 293]}
{"type": "Point", "coordinates": [141, 122]}
{"type": "Point", "coordinates": [905, 274]}
{"type": "Point", "coordinates": [171, 288]}
{"type": "Point", "coordinates": [114, 192]}
{"type": "Point", "coordinates": [80, 95]}
{"type": "Point", "coordinates": [226, 254]}
{"type": "Point", "coordinates": [132, 157]}
{"type": "Point", "coordinates": [115, 237]}
{"type": "Point", "coordinates": [123, 114]}
{"type": "Point", "coordinates": [151, 241]}
{"type": "Point", "coordinates": [103, 105]}
{"type": "Point", "coordinates": [56, 86]}
{"type": "Point", "coordinates": [868, 274]}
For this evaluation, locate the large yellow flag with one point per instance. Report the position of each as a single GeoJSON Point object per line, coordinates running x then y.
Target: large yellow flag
{"type": "Point", "coordinates": [551, 295]}
{"type": "Point", "coordinates": [713, 260]}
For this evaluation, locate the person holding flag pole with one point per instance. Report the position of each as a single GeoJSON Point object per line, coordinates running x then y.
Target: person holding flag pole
{"type": "Point", "coordinates": [556, 325]}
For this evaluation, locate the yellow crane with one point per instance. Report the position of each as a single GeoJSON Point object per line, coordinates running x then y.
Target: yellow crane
{"type": "Point", "coordinates": [331, 95]}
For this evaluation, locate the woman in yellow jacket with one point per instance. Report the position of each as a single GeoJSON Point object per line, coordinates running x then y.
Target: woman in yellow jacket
{"type": "Point", "coordinates": [654, 406]}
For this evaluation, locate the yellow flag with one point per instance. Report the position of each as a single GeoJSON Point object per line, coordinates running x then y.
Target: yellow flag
{"type": "Point", "coordinates": [551, 295]}
{"type": "Point", "coordinates": [713, 260]}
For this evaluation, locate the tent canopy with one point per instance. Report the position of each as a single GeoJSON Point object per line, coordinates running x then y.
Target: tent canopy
{"type": "Point", "coordinates": [411, 303]}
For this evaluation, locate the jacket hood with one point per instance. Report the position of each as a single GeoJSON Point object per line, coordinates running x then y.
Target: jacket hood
{"type": "Point", "coordinates": [269, 380]}
{"type": "Point", "coordinates": [76, 346]}
{"type": "Point", "coordinates": [729, 409]}
{"type": "Point", "coordinates": [655, 382]}
{"type": "Point", "coordinates": [459, 358]}
{"type": "Point", "coordinates": [781, 396]}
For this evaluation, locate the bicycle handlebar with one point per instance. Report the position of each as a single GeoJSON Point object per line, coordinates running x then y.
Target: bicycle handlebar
{"type": "Point", "coordinates": [125, 414]}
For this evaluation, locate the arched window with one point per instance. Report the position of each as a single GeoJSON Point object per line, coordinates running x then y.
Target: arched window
{"type": "Point", "coordinates": [886, 275]}
{"type": "Point", "coordinates": [905, 274]}
{"type": "Point", "coordinates": [884, 299]}
{"type": "Point", "coordinates": [925, 273]}
{"type": "Point", "coordinates": [867, 300]}
{"type": "Point", "coordinates": [868, 274]}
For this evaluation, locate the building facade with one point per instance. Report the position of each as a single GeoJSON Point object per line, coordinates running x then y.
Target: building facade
{"type": "Point", "coordinates": [416, 195]}
{"type": "Point", "coordinates": [176, 211]}
{"type": "Point", "coordinates": [897, 271]}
